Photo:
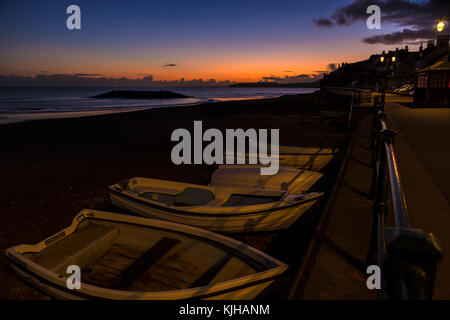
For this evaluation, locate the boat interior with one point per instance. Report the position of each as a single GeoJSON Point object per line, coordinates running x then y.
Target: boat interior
{"type": "Point", "coordinates": [123, 256]}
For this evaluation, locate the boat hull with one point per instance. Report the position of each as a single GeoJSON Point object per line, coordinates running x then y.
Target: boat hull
{"type": "Point", "coordinates": [56, 291]}
{"type": "Point", "coordinates": [270, 220]}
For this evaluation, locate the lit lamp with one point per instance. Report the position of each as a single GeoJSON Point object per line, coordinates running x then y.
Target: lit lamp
{"type": "Point", "coordinates": [393, 59]}
{"type": "Point", "coordinates": [440, 27]}
{"type": "Point", "coordinates": [382, 59]}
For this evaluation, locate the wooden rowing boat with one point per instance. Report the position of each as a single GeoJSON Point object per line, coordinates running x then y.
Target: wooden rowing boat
{"type": "Point", "coordinates": [248, 176]}
{"type": "Point", "coordinates": [222, 209]}
{"type": "Point", "coordinates": [304, 158]}
{"type": "Point", "coordinates": [127, 257]}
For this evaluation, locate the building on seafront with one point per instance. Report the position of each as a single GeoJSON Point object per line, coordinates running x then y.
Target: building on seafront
{"type": "Point", "coordinates": [395, 68]}
{"type": "Point", "coordinates": [433, 83]}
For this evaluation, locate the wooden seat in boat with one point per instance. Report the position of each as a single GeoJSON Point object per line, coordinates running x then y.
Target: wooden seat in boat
{"type": "Point", "coordinates": [122, 265]}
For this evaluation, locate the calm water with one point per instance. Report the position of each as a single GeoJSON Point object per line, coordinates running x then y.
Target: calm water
{"type": "Point", "coordinates": [21, 104]}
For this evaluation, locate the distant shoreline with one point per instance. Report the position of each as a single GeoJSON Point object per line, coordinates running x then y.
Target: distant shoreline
{"type": "Point", "coordinates": [274, 85]}
{"type": "Point", "coordinates": [134, 94]}
{"type": "Point", "coordinates": [43, 109]}
{"type": "Point", "coordinates": [11, 118]}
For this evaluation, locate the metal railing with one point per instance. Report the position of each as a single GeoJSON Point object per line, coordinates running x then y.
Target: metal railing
{"type": "Point", "coordinates": [407, 257]}
{"type": "Point", "coordinates": [360, 95]}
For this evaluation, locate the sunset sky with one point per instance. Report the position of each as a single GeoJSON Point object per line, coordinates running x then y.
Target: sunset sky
{"type": "Point", "coordinates": [222, 40]}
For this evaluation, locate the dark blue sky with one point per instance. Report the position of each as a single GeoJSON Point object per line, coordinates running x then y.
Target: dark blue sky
{"type": "Point", "coordinates": [235, 40]}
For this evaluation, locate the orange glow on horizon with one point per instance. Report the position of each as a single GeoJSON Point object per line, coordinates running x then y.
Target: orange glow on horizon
{"type": "Point", "coordinates": [232, 65]}
{"type": "Point", "coordinates": [247, 64]}
{"type": "Point", "coordinates": [243, 71]}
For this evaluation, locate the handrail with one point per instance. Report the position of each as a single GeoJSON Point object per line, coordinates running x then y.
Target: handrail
{"type": "Point", "coordinates": [398, 195]}
{"type": "Point", "coordinates": [407, 257]}
{"type": "Point", "coordinates": [358, 93]}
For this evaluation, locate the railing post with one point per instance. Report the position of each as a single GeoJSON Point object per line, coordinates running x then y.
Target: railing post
{"type": "Point", "coordinates": [374, 127]}
{"type": "Point", "coordinates": [410, 266]}
{"type": "Point", "coordinates": [377, 107]}
{"type": "Point", "coordinates": [376, 152]}
{"type": "Point", "coordinates": [377, 248]}
{"type": "Point", "coordinates": [349, 117]}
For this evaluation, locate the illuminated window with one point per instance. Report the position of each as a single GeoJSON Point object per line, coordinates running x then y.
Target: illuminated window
{"type": "Point", "coordinates": [422, 81]}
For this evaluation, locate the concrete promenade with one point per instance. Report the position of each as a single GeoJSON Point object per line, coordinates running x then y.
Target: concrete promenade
{"type": "Point", "coordinates": [334, 265]}
{"type": "Point", "coordinates": [423, 155]}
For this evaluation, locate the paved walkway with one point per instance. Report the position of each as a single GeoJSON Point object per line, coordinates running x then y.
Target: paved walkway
{"type": "Point", "coordinates": [423, 155]}
{"type": "Point", "coordinates": [334, 266]}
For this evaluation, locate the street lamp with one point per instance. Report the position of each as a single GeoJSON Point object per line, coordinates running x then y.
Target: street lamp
{"type": "Point", "coordinates": [393, 59]}
{"type": "Point", "coordinates": [382, 59]}
{"type": "Point", "coordinates": [440, 27]}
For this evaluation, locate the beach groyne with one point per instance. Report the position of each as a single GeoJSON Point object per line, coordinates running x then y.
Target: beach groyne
{"type": "Point", "coordinates": [131, 94]}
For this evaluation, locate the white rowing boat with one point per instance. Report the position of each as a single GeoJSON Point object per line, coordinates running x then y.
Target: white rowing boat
{"type": "Point", "coordinates": [248, 176]}
{"type": "Point", "coordinates": [127, 257]}
{"type": "Point", "coordinates": [304, 158]}
{"type": "Point", "coordinates": [222, 209]}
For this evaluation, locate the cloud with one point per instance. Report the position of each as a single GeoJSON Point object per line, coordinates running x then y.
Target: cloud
{"type": "Point", "coordinates": [401, 36]}
{"type": "Point", "coordinates": [87, 74]}
{"type": "Point", "coordinates": [417, 18]}
{"type": "Point", "coordinates": [168, 65]}
{"type": "Point", "coordinates": [323, 22]}
{"type": "Point", "coordinates": [84, 80]}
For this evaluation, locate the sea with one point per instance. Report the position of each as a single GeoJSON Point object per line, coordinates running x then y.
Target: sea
{"type": "Point", "coordinates": [34, 103]}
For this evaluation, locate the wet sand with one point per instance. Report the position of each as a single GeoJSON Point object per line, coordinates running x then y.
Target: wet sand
{"type": "Point", "coordinates": [51, 169]}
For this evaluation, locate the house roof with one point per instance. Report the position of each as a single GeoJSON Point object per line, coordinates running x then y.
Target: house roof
{"type": "Point", "coordinates": [441, 65]}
